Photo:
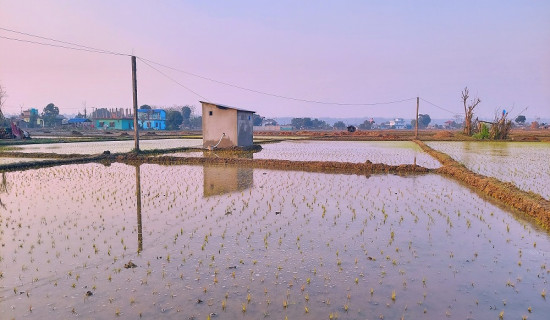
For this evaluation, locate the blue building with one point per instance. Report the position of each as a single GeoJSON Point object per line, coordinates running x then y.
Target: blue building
{"type": "Point", "coordinates": [154, 119]}
{"type": "Point", "coordinates": [117, 124]}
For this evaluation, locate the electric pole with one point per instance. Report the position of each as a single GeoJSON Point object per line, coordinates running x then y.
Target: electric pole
{"type": "Point", "coordinates": [134, 89]}
{"type": "Point", "coordinates": [416, 124]}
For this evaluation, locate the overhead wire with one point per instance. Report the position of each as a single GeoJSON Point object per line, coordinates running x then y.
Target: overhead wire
{"type": "Point", "coordinates": [435, 105]}
{"type": "Point", "coordinates": [172, 79]}
{"type": "Point", "coordinates": [89, 49]}
{"type": "Point", "coordinates": [53, 45]}
{"type": "Point", "coordinates": [273, 94]}
{"type": "Point", "coordinates": [148, 62]}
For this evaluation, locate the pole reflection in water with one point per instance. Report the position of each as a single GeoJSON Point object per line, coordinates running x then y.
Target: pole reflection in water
{"type": "Point", "coordinates": [138, 207]}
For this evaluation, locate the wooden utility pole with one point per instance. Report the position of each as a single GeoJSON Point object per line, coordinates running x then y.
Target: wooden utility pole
{"type": "Point", "coordinates": [416, 124]}
{"type": "Point", "coordinates": [138, 206]}
{"type": "Point", "coordinates": [134, 89]}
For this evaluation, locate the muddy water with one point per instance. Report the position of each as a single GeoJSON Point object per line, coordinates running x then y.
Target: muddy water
{"type": "Point", "coordinates": [525, 164]}
{"type": "Point", "coordinates": [241, 243]}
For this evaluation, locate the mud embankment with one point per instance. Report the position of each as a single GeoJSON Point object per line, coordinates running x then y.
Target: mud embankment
{"type": "Point", "coordinates": [530, 203]}
{"type": "Point", "coordinates": [310, 166]}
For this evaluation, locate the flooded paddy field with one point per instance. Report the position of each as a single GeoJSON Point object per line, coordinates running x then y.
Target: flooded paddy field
{"type": "Point", "coordinates": [99, 147]}
{"type": "Point", "coordinates": [205, 242]}
{"type": "Point", "coordinates": [525, 164]}
{"type": "Point", "coordinates": [388, 152]}
{"type": "Point", "coordinates": [18, 160]}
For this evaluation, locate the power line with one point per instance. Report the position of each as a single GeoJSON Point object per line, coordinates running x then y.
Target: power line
{"type": "Point", "coordinates": [435, 105]}
{"type": "Point", "coordinates": [65, 42]}
{"type": "Point", "coordinates": [79, 47]}
{"type": "Point", "coordinates": [172, 79]}
{"type": "Point", "coordinates": [61, 46]}
{"type": "Point", "coordinates": [273, 94]}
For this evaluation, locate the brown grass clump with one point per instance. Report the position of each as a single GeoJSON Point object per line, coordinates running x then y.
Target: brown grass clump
{"type": "Point", "coordinates": [440, 135]}
{"type": "Point", "coordinates": [532, 204]}
{"type": "Point", "coordinates": [310, 166]}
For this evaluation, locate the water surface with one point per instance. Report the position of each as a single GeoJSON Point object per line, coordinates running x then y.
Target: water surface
{"type": "Point", "coordinates": [246, 243]}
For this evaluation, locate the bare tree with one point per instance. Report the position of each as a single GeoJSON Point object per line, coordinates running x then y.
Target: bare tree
{"type": "Point", "coordinates": [468, 111]}
{"type": "Point", "coordinates": [501, 126]}
{"type": "Point", "coordinates": [3, 96]}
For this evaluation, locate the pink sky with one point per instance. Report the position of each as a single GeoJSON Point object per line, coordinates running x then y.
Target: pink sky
{"type": "Point", "coordinates": [338, 51]}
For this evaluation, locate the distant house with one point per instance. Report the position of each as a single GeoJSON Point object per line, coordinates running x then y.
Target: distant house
{"type": "Point", "coordinates": [80, 123]}
{"type": "Point", "coordinates": [29, 113]}
{"type": "Point", "coordinates": [226, 127]}
{"type": "Point", "coordinates": [152, 119]}
{"type": "Point", "coordinates": [114, 124]}
{"type": "Point", "coordinates": [397, 123]}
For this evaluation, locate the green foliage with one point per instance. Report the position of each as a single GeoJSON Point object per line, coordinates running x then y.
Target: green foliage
{"type": "Point", "coordinates": [33, 120]}
{"type": "Point", "coordinates": [367, 125]}
{"type": "Point", "coordinates": [3, 95]}
{"type": "Point", "coordinates": [520, 119]}
{"type": "Point", "coordinates": [308, 124]}
{"type": "Point", "coordinates": [423, 121]}
{"type": "Point", "coordinates": [49, 114]}
{"type": "Point", "coordinates": [483, 133]}
{"type": "Point", "coordinates": [145, 106]}
{"type": "Point", "coordinates": [195, 122]}
{"type": "Point", "coordinates": [186, 112]}
{"type": "Point", "coordinates": [501, 126]}
{"type": "Point", "coordinates": [257, 120]}
{"type": "Point", "coordinates": [340, 125]}
{"type": "Point", "coordinates": [173, 119]}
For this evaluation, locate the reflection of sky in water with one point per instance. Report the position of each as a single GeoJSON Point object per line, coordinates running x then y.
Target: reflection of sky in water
{"type": "Point", "coordinates": [388, 152]}
{"type": "Point", "coordinates": [19, 160]}
{"type": "Point", "coordinates": [525, 164]}
{"type": "Point", "coordinates": [296, 237]}
{"type": "Point", "coordinates": [113, 146]}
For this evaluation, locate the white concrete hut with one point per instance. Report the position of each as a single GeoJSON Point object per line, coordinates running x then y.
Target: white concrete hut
{"type": "Point", "coordinates": [226, 127]}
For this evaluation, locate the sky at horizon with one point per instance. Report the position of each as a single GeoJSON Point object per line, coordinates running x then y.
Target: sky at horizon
{"type": "Point", "coordinates": [329, 51]}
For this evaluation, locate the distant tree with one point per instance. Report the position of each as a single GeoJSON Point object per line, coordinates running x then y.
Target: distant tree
{"type": "Point", "coordinates": [174, 119]}
{"type": "Point", "coordinates": [520, 119]}
{"type": "Point", "coordinates": [3, 95]}
{"type": "Point", "coordinates": [33, 120]}
{"type": "Point", "coordinates": [468, 111]}
{"type": "Point", "coordinates": [257, 120]}
{"type": "Point", "coordinates": [297, 123]}
{"type": "Point", "coordinates": [339, 125]}
{"type": "Point", "coordinates": [320, 125]}
{"type": "Point", "coordinates": [424, 120]}
{"type": "Point", "coordinates": [186, 112]}
{"type": "Point", "coordinates": [308, 123]}
{"type": "Point", "coordinates": [195, 122]}
{"type": "Point", "coordinates": [501, 126]}
{"type": "Point", "coordinates": [49, 114]}
{"type": "Point", "coordinates": [146, 106]}
{"type": "Point", "coordinates": [269, 122]}
{"type": "Point", "coordinates": [366, 125]}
